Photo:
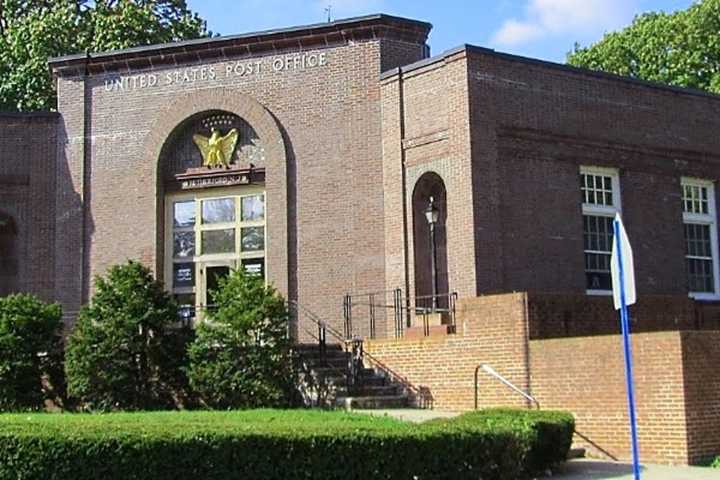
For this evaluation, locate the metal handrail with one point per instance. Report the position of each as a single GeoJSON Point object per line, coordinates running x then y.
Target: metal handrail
{"type": "Point", "coordinates": [317, 320]}
{"type": "Point", "coordinates": [404, 309]}
{"type": "Point", "coordinates": [489, 370]}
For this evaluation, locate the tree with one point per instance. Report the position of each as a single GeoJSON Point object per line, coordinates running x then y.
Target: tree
{"type": "Point", "coordinates": [31, 31]}
{"type": "Point", "coordinates": [125, 352]}
{"type": "Point", "coordinates": [680, 48]}
{"type": "Point", "coordinates": [241, 355]}
{"type": "Point", "coordinates": [29, 351]}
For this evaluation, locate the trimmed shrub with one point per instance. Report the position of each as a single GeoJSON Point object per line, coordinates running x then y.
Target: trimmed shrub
{"type": "Point", "coordinates": [550, 432]}
{"type": "Point", "coordinates": [241, 355]}
{"type": "Point", "coordinates": [30, 352]}
{"type": "Point", "coordinates": [263, 445]}
{"type": "Point", "coordinates": [126, 351]}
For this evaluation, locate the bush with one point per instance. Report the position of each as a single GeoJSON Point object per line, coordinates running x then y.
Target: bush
{"type": "Point", "coordinates": [550, 432]}
{"type": "Point", "coordinates": [30, 350]}
{"type": "Point", "coordinates": [241, 355]}
{"type": "Point", "coordinates": [125, 351]}
{"type": "Point", "coordinates": [268, 444]}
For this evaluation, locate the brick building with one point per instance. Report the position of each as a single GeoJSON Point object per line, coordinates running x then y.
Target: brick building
{"type": "Point", "coordinates": [337, 135]}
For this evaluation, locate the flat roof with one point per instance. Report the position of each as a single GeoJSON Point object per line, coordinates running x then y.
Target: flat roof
{"type": "Point", "coordinates": [278, 38]}
{"type": "Point", "coordinates": [545, 63]}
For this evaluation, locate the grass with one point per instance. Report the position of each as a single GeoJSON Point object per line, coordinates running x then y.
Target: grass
{"type": "Point", "coordinates": [189, 423]}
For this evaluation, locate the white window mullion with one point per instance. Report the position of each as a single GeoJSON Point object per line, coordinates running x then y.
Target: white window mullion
{"type": "Point", "coordinates": [699, 218]}
{"type": "Point", "coordinates": [600, 193]}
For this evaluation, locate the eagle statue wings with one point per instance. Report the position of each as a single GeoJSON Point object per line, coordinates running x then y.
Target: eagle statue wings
{"type": "Point", "coordinates": [217, 150]}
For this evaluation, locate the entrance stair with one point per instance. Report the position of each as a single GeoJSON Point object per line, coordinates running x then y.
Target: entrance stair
{"type": "Point", "coordinates": [331, 379]}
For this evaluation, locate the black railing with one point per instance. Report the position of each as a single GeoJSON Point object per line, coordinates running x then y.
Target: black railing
{"type": "Point", "coordinates": [443, 305]}
{"type": "Point", "coordinates": [364, 313]}
{"type": "Point", "coordinates": [303, 317]}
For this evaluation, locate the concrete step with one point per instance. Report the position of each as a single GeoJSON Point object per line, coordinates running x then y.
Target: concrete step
{"type": "Point", "coordinates": [370, 391]}
{"type": "Point", "coordinates": [419, 332]}
{"type": "Point", "coordinates": [311, 348]}
{"type": "Point", "coordinates": [372, 402]}
{"type": "Point", "coordinates": [335, 362]}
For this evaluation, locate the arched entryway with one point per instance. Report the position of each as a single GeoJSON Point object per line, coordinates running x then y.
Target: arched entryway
{"type": "Point", "coordinates": [215, 215]}
{"type": "Point", "coordinates": [429, 193]}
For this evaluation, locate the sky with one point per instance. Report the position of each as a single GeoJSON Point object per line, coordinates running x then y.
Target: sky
{"type": "Point", "coordinates": [545, 29]}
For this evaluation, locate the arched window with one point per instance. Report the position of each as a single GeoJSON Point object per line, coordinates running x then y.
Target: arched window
{"type": "Point", "coordinates": [428, 186]}
{"type": "Point", "coordinates": [8, 254]}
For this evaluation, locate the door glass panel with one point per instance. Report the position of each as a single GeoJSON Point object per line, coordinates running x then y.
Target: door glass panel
{"type": "Point", "coordinates": [253, 239]}
{"type": "Point", "coordinates": [219, 210]}
{"type": "Point", "coordinates": [184, 244]}
{"type": "Point", "coordinates": [213, 276]}
{"type": "Point", "coordinates": [186, 306]}
{"type": "Point", "coordinates": [254, 266]}
{"type": "Point", "coordinates": [218, 241]}
{"type": "Point", "coordinates": [184, 275]}
{"type": "Point", "coordinates": [253, 208]}
{"type": "Point", "coordinates": [184, 214]}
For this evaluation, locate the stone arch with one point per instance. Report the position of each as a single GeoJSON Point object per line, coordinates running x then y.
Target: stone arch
{"type": "Point", "coordinates": [276, 155]}
{"type": "Point", "coordinates": [430, 184]}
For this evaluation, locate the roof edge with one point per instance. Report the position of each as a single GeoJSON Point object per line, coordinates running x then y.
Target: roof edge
{"type": "Point", "coordinates": [592, 73]}
{"type": "Point", "coordinates": [548, 64]}
{"type": "Point", "coordinates": [186, 46]}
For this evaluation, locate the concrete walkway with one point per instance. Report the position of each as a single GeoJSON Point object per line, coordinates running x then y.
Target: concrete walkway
{"type": "Point", "coordinates": [599, 470]}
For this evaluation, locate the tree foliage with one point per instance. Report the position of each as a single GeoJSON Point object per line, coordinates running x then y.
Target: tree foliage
{"type": "Point", "coordinates": [680, 48]}
{"type": "Point", "coordinates": [29, 350]}
{"type": "Point", "coordinates": [241, 355]}
{"type": "Point", "coordinates": [125, 351]}
{"type": "Point", "coordinates": [31, 31]}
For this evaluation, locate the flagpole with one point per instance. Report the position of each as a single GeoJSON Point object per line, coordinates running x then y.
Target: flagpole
{"type": "Point", "coordinates": [628, 352]}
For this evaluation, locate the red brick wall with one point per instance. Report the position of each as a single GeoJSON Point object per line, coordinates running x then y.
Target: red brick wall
{"type": "Point", "coordinates": [492, 330]}
{"type": "Point", "coordinates": [700, 359]}
{"type": "Point", "coordinates": [586, 376]}
{"type": "Point", "coordinates": [27, 194]}
{"type": "Point", "coordinates": [325, 199]}
{"type": "Point", "coordinates": [533, 124]}
{"type": "Point", "coordinates": [675, 371]}
{"type": "Point", "coordinates": [574, 315]}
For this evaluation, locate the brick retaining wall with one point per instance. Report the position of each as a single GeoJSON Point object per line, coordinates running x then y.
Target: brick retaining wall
{"type": "Point", "coordinates": [677, 388]}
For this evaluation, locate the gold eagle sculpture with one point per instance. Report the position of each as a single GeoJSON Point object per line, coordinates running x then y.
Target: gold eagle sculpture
{"type": "Point", "coordinates": [217, 150]}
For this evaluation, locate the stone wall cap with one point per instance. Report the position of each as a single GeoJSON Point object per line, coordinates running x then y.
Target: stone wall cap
{"type": "Point", "coordinates": [419, 30]}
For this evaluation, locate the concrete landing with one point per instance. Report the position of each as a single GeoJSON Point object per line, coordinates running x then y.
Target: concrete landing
{"type": "Point", "coordinates": [599, 470]}
{"type": "Point", "coordinates": [416, 415]}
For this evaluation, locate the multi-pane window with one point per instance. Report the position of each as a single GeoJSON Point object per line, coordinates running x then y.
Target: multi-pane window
{"type": "Point", "coordinates": [210, 235]}
{"type": "Point", "coordinates": [600, 192]}
{"type": "Point", "coordinates": [700, 237]}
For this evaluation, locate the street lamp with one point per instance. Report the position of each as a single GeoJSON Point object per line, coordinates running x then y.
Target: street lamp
{"type": "Point", "coordinates": [432, 214]}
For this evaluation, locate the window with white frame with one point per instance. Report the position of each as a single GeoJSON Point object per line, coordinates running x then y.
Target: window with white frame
{"type": "Point", "coordinates": [600, 189]}
{"type": "Point", "coordinates": [701, 260]}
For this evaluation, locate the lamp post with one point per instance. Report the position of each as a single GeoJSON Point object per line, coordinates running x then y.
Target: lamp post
{"type": "Point", "coordinates": [432, 214]}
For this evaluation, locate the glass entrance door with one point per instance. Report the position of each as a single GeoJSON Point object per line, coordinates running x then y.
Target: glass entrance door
{"type": "Point", "coordinates": [211, 274]}
{"type": "Point", "coordinates": [209, 234]}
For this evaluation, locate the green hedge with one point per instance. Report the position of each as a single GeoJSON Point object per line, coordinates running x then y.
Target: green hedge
{"type": "Point", "coordinates": [550, 432]}
{"type": "Point", "coordinates": [264, 444]}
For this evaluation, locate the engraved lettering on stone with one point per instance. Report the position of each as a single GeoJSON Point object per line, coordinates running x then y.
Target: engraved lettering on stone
{"type": "Point", "coordinates": [193, 75]}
